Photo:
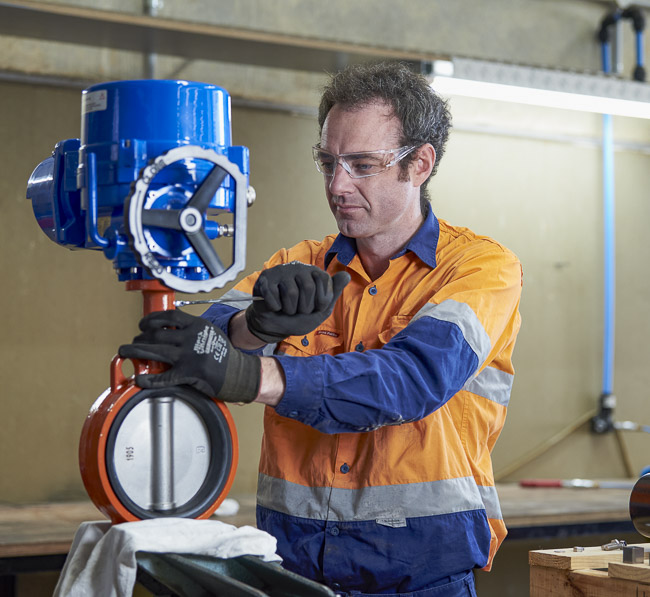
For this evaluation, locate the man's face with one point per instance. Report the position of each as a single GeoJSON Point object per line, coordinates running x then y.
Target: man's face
{"type": "Point", "coordinates": [378, 206]}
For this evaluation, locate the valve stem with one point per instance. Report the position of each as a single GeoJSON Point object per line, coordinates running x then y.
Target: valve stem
{"type": "Point", "coordinates": [220, 300]}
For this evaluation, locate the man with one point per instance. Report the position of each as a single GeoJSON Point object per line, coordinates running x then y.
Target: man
{"type": "Point", "coordinates": [382, 406]}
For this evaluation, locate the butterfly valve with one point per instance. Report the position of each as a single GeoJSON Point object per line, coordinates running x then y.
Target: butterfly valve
{"type": "Point", "coordinates": [156, 185]}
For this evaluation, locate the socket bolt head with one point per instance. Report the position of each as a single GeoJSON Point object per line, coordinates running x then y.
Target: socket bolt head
{"type": "Point", "coordinates": [633, 554]}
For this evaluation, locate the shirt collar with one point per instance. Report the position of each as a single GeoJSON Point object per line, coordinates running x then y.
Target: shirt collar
{"type": "Point", "coordinates": [424, 244]}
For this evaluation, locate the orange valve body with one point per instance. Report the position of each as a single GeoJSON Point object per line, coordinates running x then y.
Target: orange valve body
{"type": "Point", "coordinates": [95, 457]}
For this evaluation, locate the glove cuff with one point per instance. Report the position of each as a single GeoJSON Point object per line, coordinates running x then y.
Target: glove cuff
{"type": "Point", "coordinates": [243, 378]}
{"type": "Point", "coordinates": [263, 336]}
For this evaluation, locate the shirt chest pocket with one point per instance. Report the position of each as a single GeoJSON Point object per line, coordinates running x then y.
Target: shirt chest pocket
{"type": "Point", "coordinates": [320, 341]}
{"type": "Point", "coordinates": [395, 326]}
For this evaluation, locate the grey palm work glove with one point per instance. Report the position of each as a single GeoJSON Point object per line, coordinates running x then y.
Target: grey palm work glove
{"type": "Point", "coordinates": [200, 356]}
{"type": "Point", "coordinates": [297, 299]}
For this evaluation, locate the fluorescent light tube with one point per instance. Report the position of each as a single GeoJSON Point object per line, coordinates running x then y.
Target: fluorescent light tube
{"type": "Point", "coordinates": [541, 87]}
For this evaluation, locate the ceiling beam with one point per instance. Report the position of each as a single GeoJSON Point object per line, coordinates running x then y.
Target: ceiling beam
{"type": "Point", "coordinates": [147, 34]}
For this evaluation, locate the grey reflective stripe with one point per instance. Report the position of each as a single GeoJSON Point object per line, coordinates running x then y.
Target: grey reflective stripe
{"type": "Point", "coordinates": [370, 503]}
{"type": "Point", "coordinates": [491, 501]}
{"type": "Point", "coordinates": [236, 294]}
{"type": "Point", "coordinates": [491, 384]}
{"type": "Point", "coordinates": [462, 315]}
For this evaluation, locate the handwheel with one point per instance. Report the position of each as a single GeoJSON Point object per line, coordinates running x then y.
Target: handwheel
{"type": "Point", "coordinates": [174, 210]}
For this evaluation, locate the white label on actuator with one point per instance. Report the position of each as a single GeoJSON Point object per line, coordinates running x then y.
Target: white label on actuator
{"type": "Point", "coordinates": [94, 101]}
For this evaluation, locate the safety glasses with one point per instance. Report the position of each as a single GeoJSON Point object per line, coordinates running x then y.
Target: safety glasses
{"type": "Point", "coordinates": [359, 164]}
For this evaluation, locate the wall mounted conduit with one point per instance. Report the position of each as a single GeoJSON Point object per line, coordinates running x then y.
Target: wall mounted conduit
{"type": "Point", "coordinates": [603, 422]}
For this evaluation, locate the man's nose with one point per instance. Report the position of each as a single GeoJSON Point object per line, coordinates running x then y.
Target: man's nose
{"type": "Point", "coordinates": [341, 181]}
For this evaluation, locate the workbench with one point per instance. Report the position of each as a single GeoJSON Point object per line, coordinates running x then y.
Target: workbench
{"type": "Point", "coordinates": [592, 571]}
{"type": "Point", "coordinates": [37, 538]}
{"type": "Point", "coordinates": [545, 513]}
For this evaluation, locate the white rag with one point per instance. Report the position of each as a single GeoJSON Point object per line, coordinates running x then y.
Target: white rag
{"type": "Point", "coordinates": [102, 557]}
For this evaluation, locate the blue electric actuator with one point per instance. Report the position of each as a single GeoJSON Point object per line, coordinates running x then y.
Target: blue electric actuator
{"type": "Point", "coordinates": [153, 169]}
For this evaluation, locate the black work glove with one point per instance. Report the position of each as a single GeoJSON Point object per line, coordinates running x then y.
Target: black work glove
{"type": "Point", "coordinates": [199, 353]}
{"type": "Point", "coordinates": [297, 299]}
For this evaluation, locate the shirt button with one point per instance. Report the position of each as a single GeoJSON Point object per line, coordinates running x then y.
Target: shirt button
{"type": "Point", "coordinates": [304, 341]}
{"type": "Point", "coordinates": [334, 531]}
{"type": "Point", "coordinates": [373, 290]}
{"type": "Point", "coordinates": [336, 586]}
{"type": "Point", "coordinates": [293, 413]}
{"type": "Point", "coordinates": [359, 347]}
{"type": "Point", "coordinates": [345, 468]}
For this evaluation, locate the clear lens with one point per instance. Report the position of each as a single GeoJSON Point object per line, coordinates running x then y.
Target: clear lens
{"type": "Point", "coordinates": [366, 164]}
{"type": "Point", "coordinates": [325, 162]}
{"type": "Point", "coordinates": [359, 165]}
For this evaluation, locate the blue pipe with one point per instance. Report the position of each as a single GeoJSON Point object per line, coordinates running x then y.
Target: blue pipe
{"type": "Point", "coordinates": [609, 230]}
{"type": "Point", "coordinates": [609, 246]}
{"type": "Point", "coordinates": [639, 69]}
{"type": "Point", "coordinates": [606, 56]}
{"type": "Point", "coordinates": [603, 421]}
{"type": "Point", "coordinates": [609, 254]}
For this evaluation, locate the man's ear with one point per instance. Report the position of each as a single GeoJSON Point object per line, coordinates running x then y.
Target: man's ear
{"type": "Point", "coordinates": [422, 166]}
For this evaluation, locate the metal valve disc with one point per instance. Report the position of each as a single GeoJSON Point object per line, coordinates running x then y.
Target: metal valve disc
{"type": "Point", "coordinates": [157, 453]}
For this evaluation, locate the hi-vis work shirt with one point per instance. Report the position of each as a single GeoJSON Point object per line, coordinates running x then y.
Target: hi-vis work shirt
{"type": "Point", "coordinates": [375, 474]}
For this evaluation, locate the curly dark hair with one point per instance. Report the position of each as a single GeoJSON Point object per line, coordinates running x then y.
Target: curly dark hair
{"type": "Point", "coordinates": [424, 115]}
